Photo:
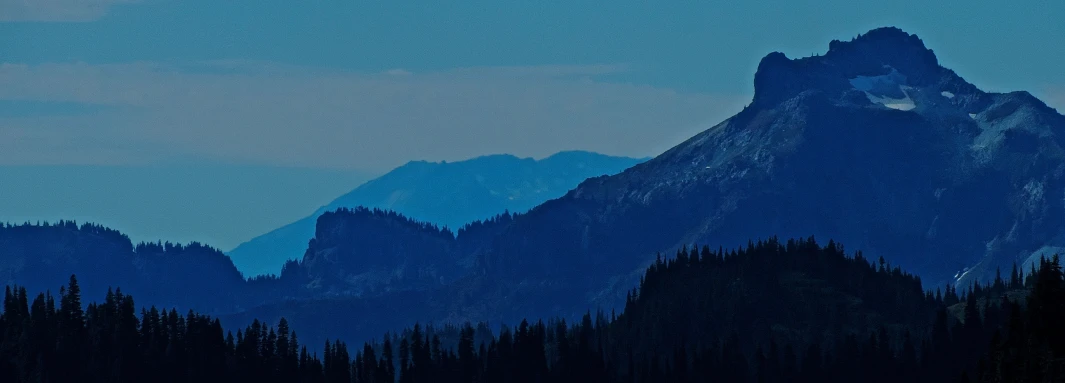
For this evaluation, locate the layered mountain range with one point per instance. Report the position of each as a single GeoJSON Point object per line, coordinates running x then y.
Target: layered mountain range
{"type": "Point", "coordinates": [873, 144]}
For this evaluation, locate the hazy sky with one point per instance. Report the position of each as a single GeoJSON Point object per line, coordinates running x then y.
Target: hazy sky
{"type": "Point", "coordinates": [325, 92]}
{"type": "Point", "coordinates": [221, 205]}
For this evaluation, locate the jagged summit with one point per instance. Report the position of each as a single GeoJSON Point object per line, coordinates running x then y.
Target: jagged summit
{"type": "Point", "coordinates": [888, 45]}
{"type": "Point", "coordinates": [888, 59]}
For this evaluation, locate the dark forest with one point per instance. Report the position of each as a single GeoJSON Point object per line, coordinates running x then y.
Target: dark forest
{"type": "Point", "coordinates": [770, 312]}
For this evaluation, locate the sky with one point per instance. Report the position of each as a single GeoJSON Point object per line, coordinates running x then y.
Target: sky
{"type": "Point", "coordinates": [187, 119]}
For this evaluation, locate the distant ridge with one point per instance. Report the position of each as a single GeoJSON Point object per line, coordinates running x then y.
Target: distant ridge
{"type": "Point", "coordinates": [873, 144]}
{"type": "Point", "coordinates": [448, 194]}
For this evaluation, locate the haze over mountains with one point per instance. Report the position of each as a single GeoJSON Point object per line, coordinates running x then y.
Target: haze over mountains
{"type": "Point", "coordinates": [219, 204]}
{"type": "Point", "coordinates": [446, 194]}
{"type": "Point", "coordinates": [873, 144]}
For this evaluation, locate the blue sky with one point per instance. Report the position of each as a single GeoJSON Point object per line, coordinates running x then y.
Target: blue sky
{"type": "Point", "coordinates": [358, 87]}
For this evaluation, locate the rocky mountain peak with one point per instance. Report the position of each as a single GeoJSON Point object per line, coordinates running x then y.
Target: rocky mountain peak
{"type": "Point", "coordinates": [885, 53]}
{"type": "Point", "coordinates": [885, 46]}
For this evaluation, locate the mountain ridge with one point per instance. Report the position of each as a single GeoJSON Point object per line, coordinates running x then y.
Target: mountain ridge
{"type": "Point", "coordinates": [908, 162]}
{"type": "Point", "coordinates": [449, 194]}
{"type": "Point", "coordinates": [958, 172]}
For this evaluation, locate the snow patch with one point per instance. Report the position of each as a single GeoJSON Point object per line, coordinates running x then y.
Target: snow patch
{"type": "Point", "coordinates": [893, 103]}
{"type": "Point", "coordinates": [947, 94]}
{"type": "Point", "coordinates": [879, 84]}
{"type": "Point", "coordinates": [888, 90]}
{"type": "Point", "coordinates": [959, 275]}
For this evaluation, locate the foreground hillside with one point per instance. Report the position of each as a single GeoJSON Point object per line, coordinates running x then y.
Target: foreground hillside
{"type": "Point", "coordinates": [771, 312]}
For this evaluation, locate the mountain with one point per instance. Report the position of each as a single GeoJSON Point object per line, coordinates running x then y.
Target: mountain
{"type": "Point", "coordinates": [447, 194]}
{"type": "Point", "coordinates": [358, 251]}
{"type": "Point", "coordinates": [873, 144]}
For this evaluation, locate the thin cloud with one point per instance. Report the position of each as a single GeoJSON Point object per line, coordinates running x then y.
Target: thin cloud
{"type": "Point", "coordinates": [545, 70]}
{"type": "Point", "coordinates": [316, 118]}
{"type": "Point", "coordinates": [398, 72]}
{"type": "Point", "coordinates": [56, 10]}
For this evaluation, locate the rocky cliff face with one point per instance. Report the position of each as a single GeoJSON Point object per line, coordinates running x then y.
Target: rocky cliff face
{"type": "Point", "coordinates": [357, 252]}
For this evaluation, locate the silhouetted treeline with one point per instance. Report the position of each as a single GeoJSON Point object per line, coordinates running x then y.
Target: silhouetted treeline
{"type": "Point", "coordinates": [1031, 346]}
{"type": "Point", "coordinates": [358, 242]}
{"type": "Point", "coordinates": [772, 312]}
{"type": "Point", "coordinates": [39, 256]}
